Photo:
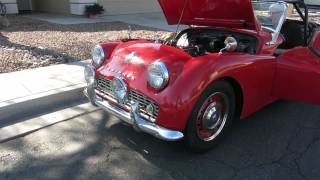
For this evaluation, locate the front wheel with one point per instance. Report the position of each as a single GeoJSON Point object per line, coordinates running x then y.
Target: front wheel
{"type": "Point", "coordinates": [212, 116]}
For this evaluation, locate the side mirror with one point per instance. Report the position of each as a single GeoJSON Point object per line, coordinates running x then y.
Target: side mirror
{"type": "Point", "coordinates": [231, 45]}
{"type": "Point", "coordinates": [315, 42]}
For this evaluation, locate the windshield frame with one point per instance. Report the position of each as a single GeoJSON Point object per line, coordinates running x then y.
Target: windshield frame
{"type": "Point", "coordinates": [281, 8]}
{"type": "Point", "coordinates": [298, 5]}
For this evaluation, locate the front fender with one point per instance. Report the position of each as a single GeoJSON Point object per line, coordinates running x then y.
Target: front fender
{"type": "Point", "coordinates": [254, 74]}
{"type": "Point", "coordinates": [108, 48]}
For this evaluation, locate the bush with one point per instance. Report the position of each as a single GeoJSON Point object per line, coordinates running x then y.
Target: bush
{"type": "Point", "coordinates": [4, 22]}
{"type": "Point", "coordinates": [94, 9]}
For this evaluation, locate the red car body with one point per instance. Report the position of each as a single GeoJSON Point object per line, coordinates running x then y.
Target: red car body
{"type": "Point", "coordinates": [258, 78]}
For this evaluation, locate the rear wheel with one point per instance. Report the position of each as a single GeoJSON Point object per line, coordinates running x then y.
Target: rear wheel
{"type": "Point", "coordinates": [212, 116]}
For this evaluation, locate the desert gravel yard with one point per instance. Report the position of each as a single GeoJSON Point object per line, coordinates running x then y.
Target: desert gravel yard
{"type": "Point", "coordinates": [30, 43]}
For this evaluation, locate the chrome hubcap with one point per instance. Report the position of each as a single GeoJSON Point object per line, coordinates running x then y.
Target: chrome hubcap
{"type": "Point", "coordinates": [212, 116]}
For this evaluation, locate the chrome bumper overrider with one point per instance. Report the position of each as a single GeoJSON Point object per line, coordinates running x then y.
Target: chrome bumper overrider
{"type": "Point", "coordinates": [133, 118]}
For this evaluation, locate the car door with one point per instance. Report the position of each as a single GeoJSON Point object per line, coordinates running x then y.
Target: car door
{"type": "Point", "coordinates": [298, 73]}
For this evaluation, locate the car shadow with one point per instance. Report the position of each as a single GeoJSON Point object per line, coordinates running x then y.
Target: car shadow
{"type": "Point", "coordinates": [277, 135]}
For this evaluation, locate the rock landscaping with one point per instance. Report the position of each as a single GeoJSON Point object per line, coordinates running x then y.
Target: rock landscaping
{"type": "Point", "coordinates": [29, 43]}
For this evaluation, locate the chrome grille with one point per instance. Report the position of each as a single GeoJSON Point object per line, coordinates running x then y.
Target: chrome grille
{"type": "Point", "coordinates": [104, 86]}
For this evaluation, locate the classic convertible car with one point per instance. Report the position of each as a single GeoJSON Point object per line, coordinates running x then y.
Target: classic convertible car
{"type": "Point", "coordinates": [236, 57]}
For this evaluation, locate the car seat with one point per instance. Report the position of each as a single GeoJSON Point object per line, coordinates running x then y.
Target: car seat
{"type": "Point", "coordinates": [293, 35]}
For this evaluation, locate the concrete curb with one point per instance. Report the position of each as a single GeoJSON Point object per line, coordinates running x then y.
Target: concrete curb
{"type": "Point", "coordinates": [23, 107]}
{"type": "Point", "coordinates": [29, 126]}
{"type": "Point", "coordinates": [28, 92]}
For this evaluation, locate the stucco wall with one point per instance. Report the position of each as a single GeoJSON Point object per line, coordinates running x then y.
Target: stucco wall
{"type": "Point", "coordinates": [313, 2]}
{"type": "Point", "coordinates": [78, 6]}
{"type": "Point", "coordinates": [53, 6]}
{"type": "Point", "coordinates": [129, 6]}
{"type": "Point", "coordinates": [11, 6]}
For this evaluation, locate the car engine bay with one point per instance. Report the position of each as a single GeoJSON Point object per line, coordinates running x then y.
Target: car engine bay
{"type": "Point", "coordinates": [199, 42]}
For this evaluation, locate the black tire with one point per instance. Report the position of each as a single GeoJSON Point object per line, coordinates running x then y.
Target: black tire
{"type": "Point", "coordinates": [192, 137]}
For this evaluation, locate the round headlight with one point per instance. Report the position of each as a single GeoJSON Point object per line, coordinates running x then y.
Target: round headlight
{"type": "Point", "coordinates": [158, 75]}
{"type": "Point", "coordinates": [97, 55]}
{"type": "Point", "coordinates": [119, 89]}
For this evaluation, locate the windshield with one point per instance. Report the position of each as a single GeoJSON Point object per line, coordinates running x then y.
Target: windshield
{"type": "Point", "coordinates": [271, 15]}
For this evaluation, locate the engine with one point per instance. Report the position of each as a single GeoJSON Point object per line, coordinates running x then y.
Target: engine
{"type": "Point", "coordinates": [199, 42]}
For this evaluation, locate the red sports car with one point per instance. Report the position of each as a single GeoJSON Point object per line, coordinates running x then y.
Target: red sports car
{"type": "Point", "coordinates": [236, 57]}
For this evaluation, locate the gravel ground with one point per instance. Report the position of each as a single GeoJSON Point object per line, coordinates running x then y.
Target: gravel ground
{"type": "Point", "coordinates": [314, 16]}
{"type": "Point", "coordinates": [30, 43]}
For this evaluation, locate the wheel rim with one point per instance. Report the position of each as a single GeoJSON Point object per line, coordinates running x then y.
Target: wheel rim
{"type": "Point", "coordinates": [212, 116]}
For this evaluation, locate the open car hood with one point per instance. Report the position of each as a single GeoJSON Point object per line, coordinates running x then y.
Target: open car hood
{"type": "Point", "coordinates": [218, 13]}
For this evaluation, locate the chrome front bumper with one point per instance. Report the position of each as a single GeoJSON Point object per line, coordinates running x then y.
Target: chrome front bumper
{"type": "Point", "coordinates": [133, 118]}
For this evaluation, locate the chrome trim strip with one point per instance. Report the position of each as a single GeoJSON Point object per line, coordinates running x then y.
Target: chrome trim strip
{"type": "Point", "coordinates": [133, 118]}
{"type": "Point", "coordinates": [113, 110]}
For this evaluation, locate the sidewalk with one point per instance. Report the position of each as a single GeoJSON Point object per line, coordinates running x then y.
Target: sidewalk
{"type": "Point", "coordinates": [25, 90]}
{"type": "Point", "coordinates": [154, 20]}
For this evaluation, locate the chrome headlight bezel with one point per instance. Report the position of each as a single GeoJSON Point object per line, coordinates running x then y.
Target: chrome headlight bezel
{"type": "Point", "coordinates": [158, 75]}
{"type": "Point", "coordinates": [89, 74]}
{"type": "Point", "coordinates": [98, 55]}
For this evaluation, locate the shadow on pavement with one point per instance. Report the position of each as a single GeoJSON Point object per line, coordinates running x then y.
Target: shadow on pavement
{"type": "Point", "coordinates": [281, 141]}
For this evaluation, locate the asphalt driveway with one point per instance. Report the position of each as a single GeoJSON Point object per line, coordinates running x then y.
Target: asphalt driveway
{"type": "Point", "coordinates": [282, 141]}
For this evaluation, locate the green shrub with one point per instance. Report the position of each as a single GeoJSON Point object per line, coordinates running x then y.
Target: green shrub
{"type": "Point", "coordinates": [94, 9]}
